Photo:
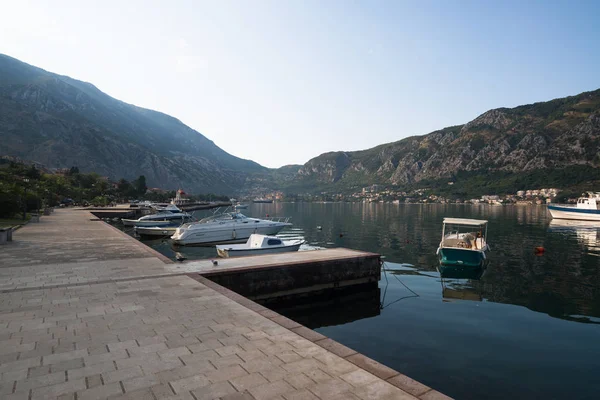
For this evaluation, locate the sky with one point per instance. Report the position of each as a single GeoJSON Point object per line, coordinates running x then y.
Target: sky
{"type": "Point", "coordinates": [280, 82]}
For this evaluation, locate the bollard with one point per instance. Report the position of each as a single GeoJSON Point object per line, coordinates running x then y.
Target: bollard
{"type": "Point", "coordinates": [9, 234]}
{"type": "Point", "coordinates": [35, 218]}
{"type": "Point", "coordinates": [3, 235]}
{"type": "Point", "coordinates": [47, 211]}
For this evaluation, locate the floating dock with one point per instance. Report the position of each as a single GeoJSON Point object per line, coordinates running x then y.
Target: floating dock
{"type": "Point", "coordinates": [89, 312]}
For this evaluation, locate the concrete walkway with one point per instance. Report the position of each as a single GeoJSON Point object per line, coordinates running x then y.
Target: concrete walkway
{"type": "Point", "coordinates": [87, 312]}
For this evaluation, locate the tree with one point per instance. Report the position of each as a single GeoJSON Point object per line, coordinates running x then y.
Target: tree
{"type": "Point", "coordinates": [74, 170]}
{"type": "Point", "coordinates": [140, 185]}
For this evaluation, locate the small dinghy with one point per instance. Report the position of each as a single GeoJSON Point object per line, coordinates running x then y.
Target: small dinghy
{"type": "Point", "coordinates": [257, 245]}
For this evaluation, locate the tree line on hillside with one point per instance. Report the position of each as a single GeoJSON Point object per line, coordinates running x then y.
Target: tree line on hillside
{"type": "Point", "coordinates": [25, 188]}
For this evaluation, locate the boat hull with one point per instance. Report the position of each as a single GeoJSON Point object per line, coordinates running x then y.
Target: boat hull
{"type": "Point", "coordinates": [209, 236]}
{"type": "Point", "coordinates": [224, 252]}
{"type": "Point", "coordinates": [456, 257]}
{"type": "Point", "coordinates": [137, 222]}
{"type": "Point", "coordinates": [562, 212]}
{"type": "Point", "coordinates": [155, 231]}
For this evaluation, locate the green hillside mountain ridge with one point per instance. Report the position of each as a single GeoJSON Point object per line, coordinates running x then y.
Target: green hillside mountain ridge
{"type": "Point", "coordinates": [549, 135]}
{"type": "Point", "coordinates": [60, 122]}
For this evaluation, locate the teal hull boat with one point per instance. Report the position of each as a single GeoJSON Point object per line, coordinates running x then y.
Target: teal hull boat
{"type": "Point", "coordinates": [464, 243]}
{"type": "Point", "coordinates": [466, 258]}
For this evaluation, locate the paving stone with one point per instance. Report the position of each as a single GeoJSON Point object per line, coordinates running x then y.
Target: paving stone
{"type": "Point", "coordinates": [93, 381]}
{"type": "Point", "coordinates": [238, 396]}
{"type": "Point", "coordinates": [66, 356]}
{"type": "Point", "coordinates": [409, 385]}
{"type": "Point", "coordinates": [270, 390]}
{"type": "Point", "coordinates": [66, 365]}
{"type": "Point", "coordinates": [372, 366]}
{"type": "Point", "coordinates": [359, 377]}
{"type": "Point", "coordinates": [141, 382]}
{"type": "Point", "coordinates": [101, 368]}
{"type": "Point", "coordinates": [43, 380]}
{"type": "Point", "coordinates": [17, 396]}
{"type": "Point", "coordinates": [381, 390]}
{"type": "Point", "coordinates": [248, 381]}
{"type": "Point", "coordinates": [184, 372]}
{"type": "Point", "coordinates": [226, 373]}
{"type": "Point", "coordinates": [300, 395]}
{"type": "Point", "coordinates": [189, 383]}
{"type": "Point", "coordinates": [299, 381]}
{"type": "Point", "coordinates": [329, 388]}
{"type": "Point", "coordinates": [50, 392]}
{"type": "Point", "coordinates": [122, 374]}
{"type": "Point", "coordinates": [214, 391]}
{"type": "Point", "coordinates": [100, 392]}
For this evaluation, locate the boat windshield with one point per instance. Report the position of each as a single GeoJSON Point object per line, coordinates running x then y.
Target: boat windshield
{"type": "Point", "coordinates": [231, 216]}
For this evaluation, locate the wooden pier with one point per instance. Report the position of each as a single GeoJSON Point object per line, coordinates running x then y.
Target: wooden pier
{"type": "Point", "coordinates": [87, 312]}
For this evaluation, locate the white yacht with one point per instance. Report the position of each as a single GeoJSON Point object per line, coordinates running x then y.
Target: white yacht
{"type": "Point", "coordinates": [587, 209]}
{"type": "Point", "coordinates": [226, 227]}
{"type": "Point", "coordinates": [170, 213]}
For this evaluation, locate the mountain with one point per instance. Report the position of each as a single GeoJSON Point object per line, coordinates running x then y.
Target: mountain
{"type": "Point", "coordinates": [61, 122]}
{"type": "Point", "coordinates": [537, 139]}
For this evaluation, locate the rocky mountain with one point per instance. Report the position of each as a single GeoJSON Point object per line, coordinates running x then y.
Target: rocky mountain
{"type": "Point", "coordinates": [552, 135]}
{"type": "Point", "coordinates": [61, 122]}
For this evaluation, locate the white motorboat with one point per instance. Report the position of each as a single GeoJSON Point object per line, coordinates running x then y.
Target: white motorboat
{"type": "Point", "coordinates": [258, 245]}
{"type": "Point", "coordinates": [227, 227]}
{"type": "Point", "coordinates": [155, 230]}
{"type": "Point", "coordinates": [147, 223]}
{"type": "Point", "coordinates": [170, 214]}
{"type": "Point", "coordinates": [240, 206]}
{"type": "Point", "coordinates": [586, 209]}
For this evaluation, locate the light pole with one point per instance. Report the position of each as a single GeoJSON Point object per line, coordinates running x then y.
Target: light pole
{"type": "Point", "coordinates": [26, 180]}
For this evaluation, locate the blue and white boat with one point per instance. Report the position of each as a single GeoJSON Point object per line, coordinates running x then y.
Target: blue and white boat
{"type": "Point", "coordinates": [586, 209]}
{"type": "Point", "coordinates": [464, 243]}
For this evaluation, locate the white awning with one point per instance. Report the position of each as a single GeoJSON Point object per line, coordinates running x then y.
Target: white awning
{"type": "Point", "coordinates": [465, 221]}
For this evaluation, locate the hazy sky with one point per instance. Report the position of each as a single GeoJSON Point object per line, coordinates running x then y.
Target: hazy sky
{"type": "Point", "coordinates": [282, 81]}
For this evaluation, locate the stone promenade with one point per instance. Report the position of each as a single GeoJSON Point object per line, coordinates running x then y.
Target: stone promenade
{"type": "Point", "coordinates": [87, 312]}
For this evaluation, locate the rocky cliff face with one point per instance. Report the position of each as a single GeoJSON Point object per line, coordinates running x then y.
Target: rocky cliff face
{"type": "Point", "coordinates": [554, 134]}
{"type": "Point", "coordinates": [62, 122]}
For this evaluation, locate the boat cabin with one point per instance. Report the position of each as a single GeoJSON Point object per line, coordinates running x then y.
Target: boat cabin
{"type": "Point", "coordinates": [589, 203]}
{"type": "Point", "coordinates": [464, 233]}
{"type": "Point", "coordinates": [263, 241]}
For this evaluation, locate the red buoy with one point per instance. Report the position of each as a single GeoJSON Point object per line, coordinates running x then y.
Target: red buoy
{"type": "Point", "coordinates": [539, 250]}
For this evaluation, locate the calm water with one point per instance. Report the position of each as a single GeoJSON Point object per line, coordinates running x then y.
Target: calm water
{"type": "Point", "coordinates": [529, 327]}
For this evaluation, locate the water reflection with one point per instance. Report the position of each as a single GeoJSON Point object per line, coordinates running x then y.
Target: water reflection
{"type": "Point", "coordinates": [333, 307]}
{"type": "Point", "coordinates": [587, 232]}
{"type": "Point", "coordinates": [459, 283]}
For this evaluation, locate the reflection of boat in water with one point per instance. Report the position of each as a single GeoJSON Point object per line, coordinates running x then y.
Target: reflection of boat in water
{"type": "Point", "coordinates": [587, 208]}
{"type": "Point", "coordinates": [464, 242]}
{"type": "Point", "coordinates": [457, 282]}
{"type": "Point", "coordinates": [587, 232]}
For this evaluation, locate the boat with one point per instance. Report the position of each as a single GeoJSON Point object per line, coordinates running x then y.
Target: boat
{"type": "Point", "coordinates": [155, 230]}
{"type": "Point", "coordinates": [464, 243]}
{"type": "Point", "coordinates": [226, 227]}
{"type": "Point", "coordinates": [170, 214]}
{"type": "Point", "coordinates": [262, 200]}
{"type": "Point", "coordinates": [586, 209]}
{"type": "Point", "coordinates": [146, 223]}
{"type": "Point", "coordinates": [257, 245]}
{"type": "Point", "coordinates": [240, 206]}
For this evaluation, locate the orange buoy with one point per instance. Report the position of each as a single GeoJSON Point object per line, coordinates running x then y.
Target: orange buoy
{"type": "Point", "coordinates": [539, 250]}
